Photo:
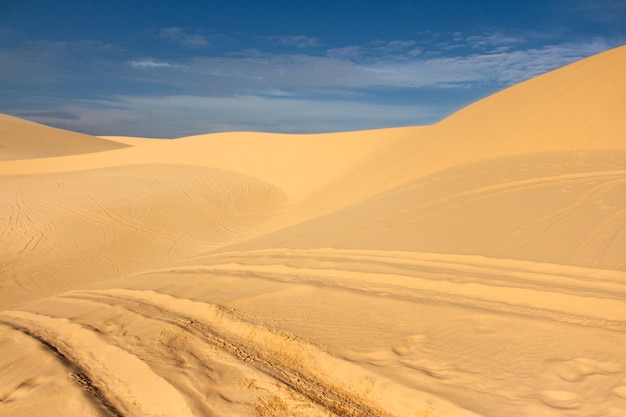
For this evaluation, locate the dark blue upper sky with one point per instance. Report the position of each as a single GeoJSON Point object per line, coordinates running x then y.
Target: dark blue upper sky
{"type": "Point", "coordinates": [168, 69]}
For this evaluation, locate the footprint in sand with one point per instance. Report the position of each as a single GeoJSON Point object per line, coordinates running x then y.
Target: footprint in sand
{"type": "Point", "coordinates": [104, 327]}
{"type": "Point", "coordinates": [560, 399]}
{"type": "Point", "coordinates": [408, 345]}
{"type": "Point", "coordinates": [432, 368]}
{"type": "Point", "coordinates": [621, 390]}
{"type": "Point", "coordinates": [576, 370]}
{"type": "Point", "coordinates": [409, 351]}
{"type": "Point", "coordinates": [22, 389]}
{"type": "Point", "coordinates": [375, 358]}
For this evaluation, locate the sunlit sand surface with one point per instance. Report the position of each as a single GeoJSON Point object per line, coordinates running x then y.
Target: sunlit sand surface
{"type": "Point", "coordinates": [475, 267]}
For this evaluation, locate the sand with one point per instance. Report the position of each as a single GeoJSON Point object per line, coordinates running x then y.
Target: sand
{"type": "Point", "coordinates": [475, 267]}
{"type": "Point", "coordinates": [22, 139]}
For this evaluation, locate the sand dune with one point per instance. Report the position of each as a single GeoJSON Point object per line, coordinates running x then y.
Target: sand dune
{"type": "Point", "coordinates": [475, 267]}
{"type": "Point", "coordinates": [20, 139]}
{"type": "Point", "coordinates": [74, 227]}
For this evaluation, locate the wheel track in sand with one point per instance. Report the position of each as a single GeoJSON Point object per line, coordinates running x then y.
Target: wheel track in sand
{"type": "Point", "coordinates": [76, 372]}
{"type": "Point", "coordinates": [449, 267]}
{"type": "Point", "coordinates": [121, 380]}
{"type": "Point", "coordinates": [116, 379]}
{"type": "Point", "coordinates": [542, 224]}
{"type": "Point", "coordinates": [276, 363]}
{"type": "Point", "coordinates": [604, 236]}
{"type": "Point", "coordinates": [583, 296]}
{"type": "Point", "coordinates": [113, 218]}
{"type": "Point", "coordinates": [507, 187]}
{"type": "Point", "coordinates": [21, 222]}
{"type": "Point", "coordinates": [211, 210]}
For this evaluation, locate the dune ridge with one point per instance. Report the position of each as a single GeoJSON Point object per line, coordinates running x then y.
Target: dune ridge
{"type": "Point", "coordinates": [475, 267]}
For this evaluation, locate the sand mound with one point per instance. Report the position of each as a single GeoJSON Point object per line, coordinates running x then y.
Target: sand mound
{"type": "Point", "coordinates": [21, 139]}
{"type": "Point", "coordinates": [473, 267]}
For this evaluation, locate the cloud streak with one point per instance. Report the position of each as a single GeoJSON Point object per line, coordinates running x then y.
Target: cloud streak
{"type": "Point", "coordinates": [176, 116]}
{"type": "Point", "coordinates": [312, 88]}
{"type": "Point", "coordinates": [181, 37]}
{"type": "Point", "coordinates": [298, 41]}
{"type": "Point", "coordinates": [149, 63]}
{"type": "Point", "coordinates": [360, 68]}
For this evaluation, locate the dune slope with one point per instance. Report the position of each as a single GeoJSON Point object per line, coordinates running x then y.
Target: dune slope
{"type": "Point", "coordinates": [21, 139]}
{"type": "Point", "coordinates": [474, 267]}
{"type": "Point", "coordinates": [68, 228]}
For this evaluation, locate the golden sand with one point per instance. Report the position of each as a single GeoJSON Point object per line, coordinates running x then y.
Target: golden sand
{"type": "Point", "coordinates": [475, 267]}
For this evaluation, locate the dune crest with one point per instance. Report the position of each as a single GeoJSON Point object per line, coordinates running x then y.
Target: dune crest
{"type": "Point", "coordinates": [475, 267]}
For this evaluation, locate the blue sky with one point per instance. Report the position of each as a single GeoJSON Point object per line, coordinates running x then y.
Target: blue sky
{"type": "Point", "coordinates": [175, 68]}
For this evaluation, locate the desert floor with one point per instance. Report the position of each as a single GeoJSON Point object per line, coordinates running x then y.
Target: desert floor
{"type": "Point", "coordinates": [475, 267]}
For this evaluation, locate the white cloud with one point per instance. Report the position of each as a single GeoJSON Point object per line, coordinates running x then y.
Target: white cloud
{"type": "Point", "coordinates": [298, 41]}
{"type": "Point", "coordinates": [503, 66]}
{"type": "Point", "coordinates": [347, 52]}
{"type": "Point", "coordinates": [178, 35]}
{"type": "Point", "coordinates": [511, 67]}
{"type": "Point", "coordinates": [396, 64]}
{"type": "Point", "coordinates": [602, 12]}
{"type": "Point", "coordinates": [343, 70]}
{"type": "Point", "coordinates": [175, 116]}
{"type": "Point", "coordinates": [497, 39]}
{"type": "Point", "coordinates": [240, 74]}
{"type": "Point", "coordinates": [376, 50]}
{"type": "Point", "coordinates": [351, 87]}
{"type": "Point", "coordinates": [149, 63]}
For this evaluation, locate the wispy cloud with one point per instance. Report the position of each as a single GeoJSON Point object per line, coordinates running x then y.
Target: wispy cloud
{"type": "Point", "coordinates": [601, 12]}
{"type": "Point", "coordinates": [176, 116]}
{"type": "Point", "coordinates": [180, 36]}
{"type": "Point", "coordinates": [96, 87]}
{"type": "Point", "coordinates": [503, 67]}
{"type": "Point", "coordinates": [149, 63]}
{"type": "Point", "coordinates": [397, 49]}
{"type": "Point", "coordinates": [497, 58]}
{"type": "Point", "coordinates": [493, 40]}
{"type": "Point", "coordinates": [298, 41]}
{"type": "Point", "coordinates": [358, 68]}
{"type": "Point", "coordinates": [49, 115]}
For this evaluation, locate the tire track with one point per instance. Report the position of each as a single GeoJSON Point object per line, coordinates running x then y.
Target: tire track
{"type": "Point", "coordinates": [382, 287]}
{"type": "Point", "coordinates": [27, 229]}
{"type": "Point", "coordinates": [581, 296]}
{"type": "Point", "coordinates": [555, 217]}
{"type": "Point", "coordinates": [287, 359]}
{"type": "Point", "coordinates": [112, 219]}
{"type": "Point", "coordinates": [77, 373]}
{"type": "Point", "coordinates": [604, 236]}
{"type": "Point", "coordinates": [214, 213]}
{"type": "Point", "coordinates": [483, 192]}
{"type": "Point", "coordinates": [454, 268]}
{"type": "Point", "coordinates": [117, 219]}
{"type": "Point", "coordinates": [124, 384]}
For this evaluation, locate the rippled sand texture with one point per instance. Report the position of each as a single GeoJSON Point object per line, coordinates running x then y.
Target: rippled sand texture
{"type": "Point", "coordinates": [476, 267]}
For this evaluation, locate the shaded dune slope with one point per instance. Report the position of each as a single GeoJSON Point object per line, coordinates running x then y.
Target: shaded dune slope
{"type": "Point", "coordinates": [22, 139]}
{"type": "Point", "coordinates": [564, 208]}
{"type": "Point", "coordinates": [474, 267]}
